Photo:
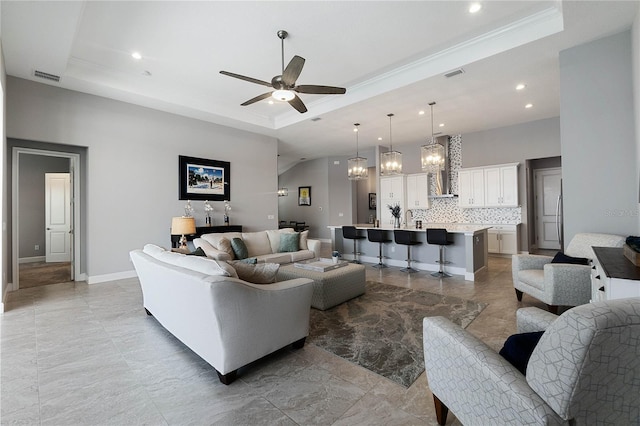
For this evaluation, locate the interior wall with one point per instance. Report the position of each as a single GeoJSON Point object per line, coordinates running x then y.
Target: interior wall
{"type": "Point", "coordinates": [132, 170]}
{"type": "Point", "coordinates": [32, 200]}
{"type": "Point", "coordinates": [635, 53]}
{"type": "Point", "coordinates": [4, 206]}
{"type": "Point", "coordinates": [598, 138]}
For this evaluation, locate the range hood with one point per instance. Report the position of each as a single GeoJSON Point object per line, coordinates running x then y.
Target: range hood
{"type": "Point", "coordinates": [439, 186]}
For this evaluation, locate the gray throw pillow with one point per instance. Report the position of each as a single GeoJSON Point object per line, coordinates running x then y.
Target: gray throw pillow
{"type": "Point", "coordinates": [289, 242]}
{"type": "Point", "coordinates": [239, 248]}
{"type": "Point", "coordinates": [261, 273]}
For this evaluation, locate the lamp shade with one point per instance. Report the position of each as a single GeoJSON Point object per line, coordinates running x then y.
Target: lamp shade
{"type": "Point", "coordinates": [183, 226]}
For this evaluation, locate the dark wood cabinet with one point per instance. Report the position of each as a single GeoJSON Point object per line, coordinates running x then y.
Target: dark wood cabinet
{"type": "Point", "coordinates": [200, 230]}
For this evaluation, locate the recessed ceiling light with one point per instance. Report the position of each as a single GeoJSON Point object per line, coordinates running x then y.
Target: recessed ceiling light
{"type": "Point", "coordinates": [380, 138]}
{"type": "Point", "coordinates": [520, 86]}
{"type": "Point", "coordinates": [270, 102]}
{"type": "Point", "coordinates": [441, 124]}
{"type": "Point", "coordinates": [136, 55]}
{"type": "Point", "coordinates": [475, 7]}
{"type": "Point", "coordinates": [528, 106]}
{"type": "Point", "coordinates": [421, 113]}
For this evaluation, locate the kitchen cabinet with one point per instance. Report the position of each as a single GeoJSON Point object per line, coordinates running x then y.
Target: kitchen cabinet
{"type": "Point", "coordinates": [613, 276]}
{"type": "Point", "coordinates": [504, 239]}
{"type": "Point", "coordinates": [501, 186]}
{"type": "Point", "coordinates": [392, 190]}
{"type": "Point", "coordinates": [418, 191]}
{"type": "Point", "coordinates": [471, 187]}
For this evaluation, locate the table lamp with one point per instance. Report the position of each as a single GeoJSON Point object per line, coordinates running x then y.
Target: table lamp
{"type": "Point", "coordinates": [183, 226]}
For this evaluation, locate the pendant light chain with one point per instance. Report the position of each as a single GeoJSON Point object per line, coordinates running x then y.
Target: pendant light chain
{"type": "Point", "coordinates": [390, 139]}
{"type": "Point", "coordinates": [357, 139]}
{"type": "Point", "coordinates": [431, 104]}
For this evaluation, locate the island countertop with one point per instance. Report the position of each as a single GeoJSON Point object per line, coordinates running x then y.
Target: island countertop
{"type": "Point", "coordinates": [454, 228]}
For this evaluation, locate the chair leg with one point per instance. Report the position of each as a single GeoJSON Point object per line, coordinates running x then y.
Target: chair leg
{"type": "Point", "coordinates": [441, 411]}
{"type": "Point", "coordinates": [519, 295]}
{"type": "Point", "coordinates": [409, 269]}
{"type": "Point", "coordinates": [380, 264]}
{"type": "Point", "coordinates": [355, 252]}
{"type": "Point", "coordinates": [441, 273]}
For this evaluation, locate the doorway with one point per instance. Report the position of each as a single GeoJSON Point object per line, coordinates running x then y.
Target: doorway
{"type": "Point", "coordinates": [45, 217]}
{"type": "Point", "coordinates": [548, 190]}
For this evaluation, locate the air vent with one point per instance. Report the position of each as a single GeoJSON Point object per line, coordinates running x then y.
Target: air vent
{"type": "Point", "coordinates": [454, 73]}
{"type": "Point", "coordinates": [46, 76]}
{"type": "Point", "coordinates": [316, 119]}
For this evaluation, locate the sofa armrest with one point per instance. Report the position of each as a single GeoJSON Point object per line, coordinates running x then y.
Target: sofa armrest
{"type": "Point", "coordinates": [474, 382]}
{"type": "Point", "coordinates": [314, 245]}
{"type": "Point", "coordinates": [210, 250]}
{"type": "Point", "coordinates": [522, 262]}
{"type": "Point", "coordinates": [573, 281]}
{"type": "Point", "coordinates": [533, 319]}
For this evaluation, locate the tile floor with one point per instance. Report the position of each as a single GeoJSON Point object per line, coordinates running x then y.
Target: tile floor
{"type": "Point", "coordinates": [74, 354]}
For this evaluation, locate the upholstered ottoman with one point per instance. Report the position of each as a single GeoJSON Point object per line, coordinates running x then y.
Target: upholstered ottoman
{"type": "Point", "coordinates": [329, 288]}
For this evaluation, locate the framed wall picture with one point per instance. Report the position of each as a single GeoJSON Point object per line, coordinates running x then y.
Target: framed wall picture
{"type": "Point", "coordinates": [304, 195]}
{"type": "Point", "coordinates": [202, 179]}
{"type": "Point", "coordinates": [373, 201]}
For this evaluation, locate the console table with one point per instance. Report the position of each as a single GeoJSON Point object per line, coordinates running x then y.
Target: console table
{"type": "Point", "coordinates": [175, 239]}
{"type": "Point", "coordinates": [613, 276]}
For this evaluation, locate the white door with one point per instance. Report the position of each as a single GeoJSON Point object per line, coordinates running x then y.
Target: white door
{"type": "Point", "coordinates": [548, 182]}
{"type": "Point", "coordinates": [58, 217]}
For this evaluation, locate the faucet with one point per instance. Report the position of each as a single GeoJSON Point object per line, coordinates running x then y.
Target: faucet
{"type": "Point", "coordinates": [406, 222]}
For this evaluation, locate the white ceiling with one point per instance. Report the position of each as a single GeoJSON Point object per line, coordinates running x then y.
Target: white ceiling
{"type": "Point", "coordinates": [390, 56]}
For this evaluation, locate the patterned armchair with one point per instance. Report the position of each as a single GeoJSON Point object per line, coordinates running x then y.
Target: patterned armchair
{"type": "Point", "coordinates": [560, 284]}
{"type": "Point", "coordinates": [584, 370]}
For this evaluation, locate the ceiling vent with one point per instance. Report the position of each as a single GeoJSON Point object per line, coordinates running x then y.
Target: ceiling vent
{"type": "Point", "coordinates": [316, 119]}
{"type": "Point", "coordinates": [46, 76]}
{"type": "Point", "coordinates": [454, 73]}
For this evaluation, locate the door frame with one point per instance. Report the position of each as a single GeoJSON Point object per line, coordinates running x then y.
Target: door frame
{"type": "Point", "coordinates": [74, 171]}
{"type": "Point", "coordinates": [537, 219]}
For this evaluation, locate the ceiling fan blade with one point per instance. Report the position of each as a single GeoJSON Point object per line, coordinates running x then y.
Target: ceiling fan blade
{"type": "Point", "coordinates": [293, 70]}
{"type": "Point", "coordinates": [256, 99]}
{"type": "Point", "coordinates": [245, 78]}
{"type": "Point", "coordinates": [320, 90]}
{"type": "Point", "coordinates": [297, 103]}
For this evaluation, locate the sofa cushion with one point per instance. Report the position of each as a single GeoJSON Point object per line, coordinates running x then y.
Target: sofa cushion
{"type": "Point", "coordinates": [211, 251]}
{"type": "Point", "coordinates": [203, 265]}
{"type": "Point", "coordinates": [239, 248]}
{"type": "Point", "coordinates": [214, 239]}
{"type": "Point", "coordinates": [274, 237]}
{"type": "Point", "coordinates": [261, 273]}
{"type": "Point", "coordinates": [532, 277]}
{"type": "Point", "coordinates": [224, 244]}
{"type": "Point", "coordinates": [275, 258]}
{"type": "Point", "coordinates": [289, 242]}
{"type": "Point", "coordinates": [257, 243]}
{"type": "Point", "coordinates": [560, 257]}
{"type": "Point", "coordinates": [153, 250]}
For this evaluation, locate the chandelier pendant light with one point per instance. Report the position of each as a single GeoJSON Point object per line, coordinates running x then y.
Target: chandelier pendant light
{"type": "Point", "coordinates": [358, 166]}
{"type": "Point", "coordinates": [390, 161]}
{"type": "Point", "coordinates": [432, 157]}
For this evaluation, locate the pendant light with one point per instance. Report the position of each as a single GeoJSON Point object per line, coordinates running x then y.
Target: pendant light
{"type": "Point", "coordinates": [432, 155]}
{"type": "Point", "coordinates": [390, 161]}
{"type": "Point", "coordinates": [358, 166]}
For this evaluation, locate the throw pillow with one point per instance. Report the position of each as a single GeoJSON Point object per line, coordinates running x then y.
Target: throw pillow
{"type": "Point", "coordinates": [303, 240]}
{"type": "Point", "coordinates": [518, 348]}
{"type": "Point", "coordinates": [225, 245]}
{"type": "Point", "coordinates": [261, 273]}
{"type": "Point", "coordinates": [197, 252]}
{"type": "Point", "coordinates": [560, 257]}
{"type": "Point", "coordinates": [239, 249]}
{"type": "Point", "coordinates": [249, 260]}
{"type": "Point", "coordinates": [289, 242]}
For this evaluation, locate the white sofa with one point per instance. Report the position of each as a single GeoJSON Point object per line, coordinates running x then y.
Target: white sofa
{"type": "Point", "coordinates": [226, 321]}
{"type": "Point", "coordinates": [262, 245]}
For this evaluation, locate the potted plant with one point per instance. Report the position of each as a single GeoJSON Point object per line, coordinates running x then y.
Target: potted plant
{"type": "Point", "coordinates": [395, 212]}
{"type": "Point", "coordinates": [335, 255]}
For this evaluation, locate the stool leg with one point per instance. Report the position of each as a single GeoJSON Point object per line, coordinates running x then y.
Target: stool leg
{"type": "Point", "coordinates": [355, 252]}
{"type": "Point", "coordinates": [380, 264]}
{"type": "Point", "coordinates": [409, 269]}
{"type": "Point", "coordinates": [441, 273]}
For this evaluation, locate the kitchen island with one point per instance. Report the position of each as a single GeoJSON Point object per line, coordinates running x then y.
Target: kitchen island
{"type": "Point", "coordinates": [468, 254]}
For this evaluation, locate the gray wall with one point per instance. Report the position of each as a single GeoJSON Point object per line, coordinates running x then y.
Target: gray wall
{"type": "Point", "coordinates": [635, 53]}
{"type": "Point", "coordinates": [598, 138]}
{"type": "Point", "coordinates": [4, 244]}
{"type": "Point", "coordinates": [32, 200]}
{"type": "Point", "coordinates": [132, 167]}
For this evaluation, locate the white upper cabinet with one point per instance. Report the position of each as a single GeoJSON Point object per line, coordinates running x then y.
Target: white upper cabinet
{"type": "Point", "coordinates": [418, 191]}
{"type": "Point", "coordinates": [501, 186]}
{"type": "Point", "coordinates": [471, 188]}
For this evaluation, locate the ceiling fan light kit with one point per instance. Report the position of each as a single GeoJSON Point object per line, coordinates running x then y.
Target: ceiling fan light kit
{"type": "Point", "coordinates": [284, 85]}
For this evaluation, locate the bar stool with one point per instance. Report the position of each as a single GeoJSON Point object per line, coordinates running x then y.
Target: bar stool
{"type": "Point", "coordinates": [351, 233]}
{"type": "Point", "coordinates": [440, 237]}
{"type": "Point", "coordinates": [406, 238]}
{"type": "Point", "coordinates": [378, 236]}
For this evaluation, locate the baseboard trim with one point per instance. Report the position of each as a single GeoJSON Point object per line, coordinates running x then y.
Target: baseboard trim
{"type": "Point", "coordinates": [95, 279]}
{"type": "Point", "coordinates": [33, 259]}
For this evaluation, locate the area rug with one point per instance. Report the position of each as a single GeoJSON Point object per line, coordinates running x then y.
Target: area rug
{"type": "Point", "coordinates": [382, 329]}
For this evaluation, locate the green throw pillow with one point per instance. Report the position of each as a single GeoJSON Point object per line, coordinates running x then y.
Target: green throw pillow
{"type": "Point", "coordinates": [249, 260]}
{"type": "Point", "coordinates": [289, 242]}
{"type": "Point", "coordinates": [239, 248]}
{"type": "Point", "coordinates": [197, 252]}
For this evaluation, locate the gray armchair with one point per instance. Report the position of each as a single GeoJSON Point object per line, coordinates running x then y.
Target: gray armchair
{"type": "Point", "coordinates": [560, 284]}
{"type": "Point", "coordinates": [584, 370]}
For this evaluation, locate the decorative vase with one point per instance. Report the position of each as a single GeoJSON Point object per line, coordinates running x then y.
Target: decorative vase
{"type": "Point", "coordinates": [226, 220]}
{"type": "Point", "coordinates": [396, 222]}
{"type": "Point", "coordinates": [335, 259]}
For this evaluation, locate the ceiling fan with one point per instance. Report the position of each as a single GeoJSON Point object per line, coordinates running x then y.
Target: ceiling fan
{"type": "Point", "coordinates": [284, 85]}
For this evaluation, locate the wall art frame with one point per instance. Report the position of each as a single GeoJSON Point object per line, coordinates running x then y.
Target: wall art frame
{"type": "Point", "coordinates": [203, 179]}
{"type": "Point", "coordinates": [304, 195]}
{"type": "Point", "coordinates": [373, 201]}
